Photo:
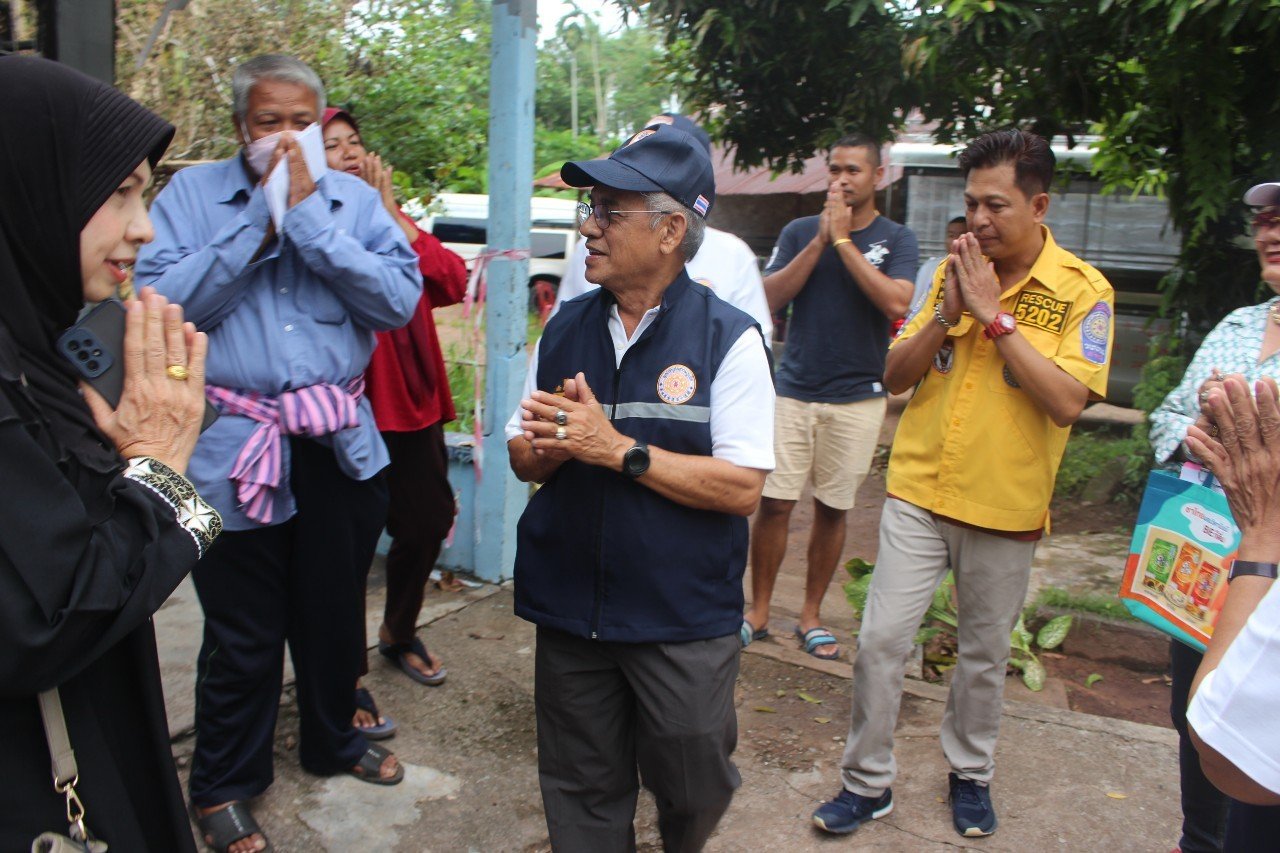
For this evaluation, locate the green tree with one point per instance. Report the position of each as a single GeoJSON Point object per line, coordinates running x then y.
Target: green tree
{"type": "Point", "coordinates": [415, 73]}
{"type": "Point", "coordinates": [418, 81]}
{"type": "Point", "coordinates": [1180, 92]}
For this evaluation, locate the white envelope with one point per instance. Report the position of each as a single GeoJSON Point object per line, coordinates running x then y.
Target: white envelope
{"type": "Point", "coordinates": [311, 141]}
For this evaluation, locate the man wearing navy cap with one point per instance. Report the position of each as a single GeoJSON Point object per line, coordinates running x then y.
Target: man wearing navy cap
{"type": "Point", "coordinates": [724, 263]}
{"type": "Point", "coordinates": [648, 417]}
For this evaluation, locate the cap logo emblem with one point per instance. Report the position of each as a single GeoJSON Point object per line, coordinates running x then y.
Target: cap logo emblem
{"type": "Point", "coordinates": [677, 385]}
{"type": "Point", "coordinates": [700, 204]}
{"type": "Point", "coordinates": [648, 131]}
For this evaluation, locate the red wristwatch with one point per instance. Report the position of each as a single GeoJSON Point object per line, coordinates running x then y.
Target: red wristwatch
{"type": "Point", "coordinates": [1003, 324]}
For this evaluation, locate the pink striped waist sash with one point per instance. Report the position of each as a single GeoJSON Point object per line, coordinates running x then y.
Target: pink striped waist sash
{"type": "Point", "coordinates": [313, 411]}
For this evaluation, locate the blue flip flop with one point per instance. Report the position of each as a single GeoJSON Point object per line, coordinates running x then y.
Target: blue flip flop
{"type": "Point", "coordinates": [815, 639]}
{"type": "Point", "coordinates": [382, 731]}
{"type": "Point", "coordinates": [395, 653]}
{"type": "Point", "coordinates": [748, 634]}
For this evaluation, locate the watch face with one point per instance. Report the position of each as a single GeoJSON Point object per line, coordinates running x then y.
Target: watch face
{"type": "Point", "coordinates": [636, 460]}
{"type": "Point", "coordinates": [1006, 321]}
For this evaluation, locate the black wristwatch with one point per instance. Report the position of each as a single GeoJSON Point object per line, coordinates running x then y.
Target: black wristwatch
{"type": "Point", "coordinates": [636, 460]}
{"type": "Point", "coordinates": [1249, 567]}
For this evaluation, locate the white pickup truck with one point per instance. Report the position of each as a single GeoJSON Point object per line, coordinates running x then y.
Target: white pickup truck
{"type": "Point", "coordinates": [461, 222]}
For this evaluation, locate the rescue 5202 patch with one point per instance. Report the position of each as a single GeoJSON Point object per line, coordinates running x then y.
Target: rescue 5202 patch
{"type": "Point", "coordinates": [677, 384]}
{"type": "Point", "coordinates": [1042, 311]}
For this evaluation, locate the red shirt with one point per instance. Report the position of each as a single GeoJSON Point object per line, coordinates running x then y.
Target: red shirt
{"type": "Point", "coordinates": [406, 381]}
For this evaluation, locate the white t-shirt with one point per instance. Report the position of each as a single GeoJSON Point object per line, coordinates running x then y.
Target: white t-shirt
{"type": "Point", "coordinates": [724, 263]}
{"type": "Point", "coordinates": [741, 396]}
{"type": "Point", "coordinates": [1235, 709]}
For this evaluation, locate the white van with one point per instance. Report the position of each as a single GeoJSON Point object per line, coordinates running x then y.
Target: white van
{"type": "Point", "coordinates": [461, 222]}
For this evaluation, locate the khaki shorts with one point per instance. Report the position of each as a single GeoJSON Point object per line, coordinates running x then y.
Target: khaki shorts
{"type": "Point", "coordinates": [831, 442]}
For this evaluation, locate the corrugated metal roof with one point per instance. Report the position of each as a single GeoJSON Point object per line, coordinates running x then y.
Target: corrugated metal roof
{"type": "Point", "coordinates": [761, 180]}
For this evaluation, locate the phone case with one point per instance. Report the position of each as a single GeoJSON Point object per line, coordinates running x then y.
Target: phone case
{"type": "Point", "coordinates": [94, 346]}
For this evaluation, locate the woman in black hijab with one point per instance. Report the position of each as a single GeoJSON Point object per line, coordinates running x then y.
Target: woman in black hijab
{"type": "Point", "coordinates": [97, 523]}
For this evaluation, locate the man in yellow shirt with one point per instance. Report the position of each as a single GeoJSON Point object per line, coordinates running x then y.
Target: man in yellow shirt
{"type": "Point", "coordinates": [1015, 340]}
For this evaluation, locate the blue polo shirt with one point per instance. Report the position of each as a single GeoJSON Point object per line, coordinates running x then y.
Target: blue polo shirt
{"type": "Point", "coordinates": [837, 338]}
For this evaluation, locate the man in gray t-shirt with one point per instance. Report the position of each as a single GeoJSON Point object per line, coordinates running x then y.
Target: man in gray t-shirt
{"type": "Point", "coordinates": [848, 274]}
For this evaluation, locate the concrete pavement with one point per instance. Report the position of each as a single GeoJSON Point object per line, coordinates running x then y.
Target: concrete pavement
{"type": "Point", "coordinates": [1065, 780]}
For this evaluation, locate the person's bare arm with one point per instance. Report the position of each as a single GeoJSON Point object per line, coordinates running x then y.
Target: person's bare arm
{"type": "Point", "coordinates": [1245, 457]}
{"type": "Point", "coordinates": [528, 466]}
{"type": "Point", "coordinates": [782, 286]}
{"type": "Point", "coordinates": [698, 482]}
{"type": "Point", "coordinates": [1057, 393]}
{"type": "Point", "coordinates": [891, 295]}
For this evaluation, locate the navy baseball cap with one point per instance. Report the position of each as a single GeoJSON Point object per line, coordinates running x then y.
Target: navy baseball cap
{"type": "Point", "coordinates": [1263, 195]}
{"type": "Point", "coordinates": [657, 159]}
{"type": "Point", "coordinates": [690, 127]}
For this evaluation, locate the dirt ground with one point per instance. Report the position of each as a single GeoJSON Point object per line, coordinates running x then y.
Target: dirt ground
{"type": "Point", "coordinates": [1132, 687]}
{"type": "Point", "coordinates": [470, 752]}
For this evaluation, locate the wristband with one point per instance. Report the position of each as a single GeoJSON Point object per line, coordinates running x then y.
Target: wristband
{"type": "Point", "coordinates": [937, 315]}
{"type": "Point", "coordinates": [1251, 567]}
{"type": "Point", "coordinates": [841, 241]}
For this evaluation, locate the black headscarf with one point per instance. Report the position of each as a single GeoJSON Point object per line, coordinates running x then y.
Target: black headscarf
{"type": "Point", "coordinates": [67, 142]}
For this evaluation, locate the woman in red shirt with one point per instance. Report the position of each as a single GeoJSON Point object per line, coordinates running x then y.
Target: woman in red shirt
{"type": "Point", "coordinates": [408, 387]}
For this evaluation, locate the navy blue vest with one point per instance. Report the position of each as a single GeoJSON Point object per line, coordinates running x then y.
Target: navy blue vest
{"type": "Point", "coordinates": [599, 555]}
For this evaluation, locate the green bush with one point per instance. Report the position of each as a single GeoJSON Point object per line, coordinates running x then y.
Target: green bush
{"type": "Point", "coordinates": [1090, 451]}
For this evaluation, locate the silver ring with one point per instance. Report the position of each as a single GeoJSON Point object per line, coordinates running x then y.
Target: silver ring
{"type": "Point", "coordinates": [561, 433]}
{"type": "Point", "coordinates": [1204, 396]}
{"type": "Point", "coordinates": [562, 417]}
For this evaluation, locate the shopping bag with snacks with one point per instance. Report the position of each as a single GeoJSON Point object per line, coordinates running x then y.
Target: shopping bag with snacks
{"type": "Point", "coordinates": [1183, 545]}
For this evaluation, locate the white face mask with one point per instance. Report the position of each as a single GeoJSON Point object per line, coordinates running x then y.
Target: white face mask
{"type": "Point", "coordinates": [258, 152]}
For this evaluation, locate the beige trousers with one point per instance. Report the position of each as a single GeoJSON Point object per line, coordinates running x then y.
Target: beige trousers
{"type": "Point", "coordinates": [916, 550]}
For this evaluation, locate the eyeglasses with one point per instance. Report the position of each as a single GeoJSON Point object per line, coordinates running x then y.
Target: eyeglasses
{"type": "Point", "coordinates": [604, 216]}
{"type": "Point", "coordinates": [1268, 217]}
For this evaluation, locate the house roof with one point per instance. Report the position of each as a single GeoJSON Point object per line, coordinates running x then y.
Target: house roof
{"type": "Point", "coordinates": [760, 180]}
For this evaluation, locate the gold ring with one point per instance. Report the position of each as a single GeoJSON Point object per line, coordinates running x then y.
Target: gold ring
{"type": "Point", "coordinates": [177, 371]}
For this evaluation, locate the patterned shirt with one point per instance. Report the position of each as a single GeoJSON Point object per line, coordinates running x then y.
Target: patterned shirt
{"type": "Point", "coordinates": [1232, 347]}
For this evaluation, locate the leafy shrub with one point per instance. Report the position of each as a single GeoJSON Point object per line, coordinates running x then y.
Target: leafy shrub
{"type": "Point", "coordinates": [940, 623]}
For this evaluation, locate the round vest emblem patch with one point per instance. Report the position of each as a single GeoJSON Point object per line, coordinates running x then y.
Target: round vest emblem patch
{"type": "Point", "coordinates": [677, 384]}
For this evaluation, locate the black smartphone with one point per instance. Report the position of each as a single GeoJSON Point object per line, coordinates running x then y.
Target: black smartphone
{"type": "Point", "coordinates": [95, 347]}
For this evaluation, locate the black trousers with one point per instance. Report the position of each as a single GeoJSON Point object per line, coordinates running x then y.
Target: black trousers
{"type": "Point", "coordinates": [302, 582]}
{"type": "Point", "coordinates": [418, 519]}
{"type": "Point", "coordinates": [606, 709]}
{"type": "Point", "coordinates": [1204, 807]}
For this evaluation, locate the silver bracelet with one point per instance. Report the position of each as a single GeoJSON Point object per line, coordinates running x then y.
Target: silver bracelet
{"type": "Point", "coordinates": [937, 315]}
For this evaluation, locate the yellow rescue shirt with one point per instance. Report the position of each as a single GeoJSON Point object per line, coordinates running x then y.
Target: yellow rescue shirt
{"type": "Point", "coordinates": [972, 445]}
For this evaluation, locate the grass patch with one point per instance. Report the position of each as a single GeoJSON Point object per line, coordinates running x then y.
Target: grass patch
{"type": "Point", "coordinates": [1095, 603]}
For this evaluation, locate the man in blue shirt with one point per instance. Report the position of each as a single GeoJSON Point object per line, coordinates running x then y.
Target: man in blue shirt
{"type": "Point", "coordinates": [293, 462]}
{"type": "Point", "coordinates": [847, 275]}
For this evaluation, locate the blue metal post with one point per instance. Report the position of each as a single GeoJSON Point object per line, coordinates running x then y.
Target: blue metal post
{"type": "Point", "coordinates": [501, 497]}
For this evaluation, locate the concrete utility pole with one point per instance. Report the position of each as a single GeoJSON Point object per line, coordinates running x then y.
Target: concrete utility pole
{"type": "Point", "coordinates": [501, 497]}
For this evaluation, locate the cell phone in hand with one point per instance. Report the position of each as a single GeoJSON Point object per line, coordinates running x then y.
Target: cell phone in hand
{"type": "Point", "coordinates": [95, 348]}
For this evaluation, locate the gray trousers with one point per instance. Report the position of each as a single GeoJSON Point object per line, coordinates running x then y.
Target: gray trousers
{"type": "Point", "coordinates": [605, 709]}
{"type": "Point", "coordinates": [916, 550]}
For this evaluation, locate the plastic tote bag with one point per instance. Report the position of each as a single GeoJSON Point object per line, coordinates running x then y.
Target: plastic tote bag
{"type": "Point", "coordinates": [1183, 545]}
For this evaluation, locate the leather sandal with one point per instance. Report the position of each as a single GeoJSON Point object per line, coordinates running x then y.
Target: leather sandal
{"type": "Point", "coordinates": [220, 829]}
{"type": "Point", "coordinates": [369, 767]}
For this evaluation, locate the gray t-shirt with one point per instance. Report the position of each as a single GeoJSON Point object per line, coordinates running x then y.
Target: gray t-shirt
{"type": "Point", "coordinates": [837, 338]}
